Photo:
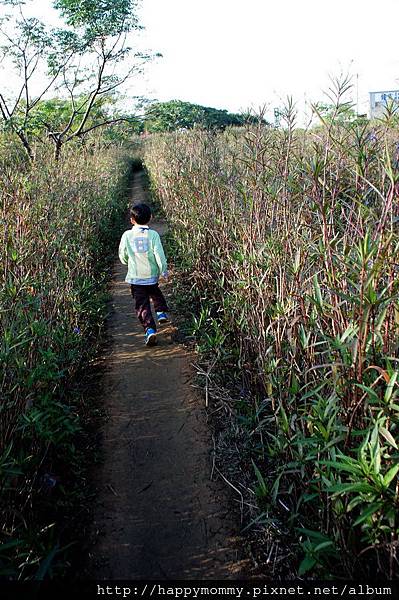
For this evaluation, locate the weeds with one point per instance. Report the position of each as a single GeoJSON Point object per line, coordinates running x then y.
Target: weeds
{"type": "Point", "coordinates": [57, 223]}
{"type": "Point", "coordinates": [290, 238]}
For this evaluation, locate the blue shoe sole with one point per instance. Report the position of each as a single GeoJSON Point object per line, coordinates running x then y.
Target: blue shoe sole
{"type": "Point", "coordinates": [151, 340]}
{"type": "Point", "coordinates": [164, 320]}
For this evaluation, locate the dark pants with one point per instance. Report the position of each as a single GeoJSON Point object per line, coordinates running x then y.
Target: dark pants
{"type": "Point", "coordinates": [142, 295]}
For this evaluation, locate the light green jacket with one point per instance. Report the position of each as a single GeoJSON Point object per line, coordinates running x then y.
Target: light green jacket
{"type": "Point", "coordinates": [141, 250]}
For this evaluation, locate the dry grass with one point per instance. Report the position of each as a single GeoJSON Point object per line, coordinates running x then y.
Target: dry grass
{"type": "Point", "coordinates": [290, 242]}
{"type": "Point", "coordinates": [57, 223]}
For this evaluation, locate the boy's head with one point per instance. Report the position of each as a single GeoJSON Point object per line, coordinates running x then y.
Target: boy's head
{"type": "Point", "coordinates": [140, 214]}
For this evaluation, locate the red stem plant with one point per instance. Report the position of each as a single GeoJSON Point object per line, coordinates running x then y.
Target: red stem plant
{"type": "Point", "coordinates": [290, 240]}
{"type": "Point", "coordinates": [56, 221]}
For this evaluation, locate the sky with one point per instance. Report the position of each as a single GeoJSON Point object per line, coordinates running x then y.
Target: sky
{"type": "Point", "coordinates": [238, 55]}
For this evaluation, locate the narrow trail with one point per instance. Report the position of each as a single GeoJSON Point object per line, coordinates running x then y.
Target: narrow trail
{"type": "Point", "coordinates": [157, 515]}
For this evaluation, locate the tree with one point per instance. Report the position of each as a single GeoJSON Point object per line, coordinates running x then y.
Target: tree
{"type": "Point", "coordinates": [53, 114]}
{"type": "Point", "coordinates": [83, 62]}
{"type": "Point", "coordinates": [176, 114]}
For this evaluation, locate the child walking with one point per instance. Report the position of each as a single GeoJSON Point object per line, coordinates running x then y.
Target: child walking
{"type": "Point", "coordinates": [141, 250]}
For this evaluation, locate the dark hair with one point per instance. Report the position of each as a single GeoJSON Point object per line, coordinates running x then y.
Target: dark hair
{"type": "Point", "coordinates": [141, 213]}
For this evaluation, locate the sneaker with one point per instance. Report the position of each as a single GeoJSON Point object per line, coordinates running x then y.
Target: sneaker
{"type": "Point", "coordinates": [162, 317]}
{"type": "Point", "coordinates": [150, 337]}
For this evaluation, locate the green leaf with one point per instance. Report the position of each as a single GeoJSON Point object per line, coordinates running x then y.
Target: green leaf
{"type": "Point", "coordinates": [307, 564]}
{"type": "Point", "coordinates": [11, 544]}
{"type": "Point", "coordinates": [355, 469]}
{"type": "Point", "coordinates": [375, 450]}
{"type": "Point", "coordinates": [390, 475]}
{"type": "Point", "coordinates": [315, 535]}
{"type": "Point", "coordinates": [390, 386]}
{"type": "Point", "coordinates": [342, 488]}
{"type": "Point", "coordinates": [349, 332]}
{"type": "Point", "coordinates": [313, 392]}
{"type": "Point", "coordinates": [284, 419]}
{"type": "Point", "coordinates": [354, 502]}
{"type": "Point", "coordinates": [259, 476]}
{"type": "Point", "coordinates": [317, 290]}
{"type": "Point", "coordinates": [45, 564]}
{"type": "Point", "coordinates": [389, 437]}
{"type": "Point", "coordinates": [326, 544]}
{"type": "Point", "coordinates": [367, 512]}
{"type": "Point", "coordinates": [373, 396]}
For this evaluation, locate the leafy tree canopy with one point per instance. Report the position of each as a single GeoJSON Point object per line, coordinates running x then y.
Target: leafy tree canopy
{"type": "Point", "coordinates": [85, 61]}
{"type": "Point", "coordinates": [100, 17]}
{"type": "Point", "coordinates": [176, 114]}
{"type": "Point", "coordinates": [53, 114]}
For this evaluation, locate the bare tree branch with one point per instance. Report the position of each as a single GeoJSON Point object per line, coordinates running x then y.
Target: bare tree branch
{"type": "Point", "coordinates": [102, 124]}
{"type": "Point", "coordinates": [4, 109]}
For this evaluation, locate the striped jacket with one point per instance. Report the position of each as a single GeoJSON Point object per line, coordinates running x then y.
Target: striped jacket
{"type": "Point", "coordinates": [141, 250]}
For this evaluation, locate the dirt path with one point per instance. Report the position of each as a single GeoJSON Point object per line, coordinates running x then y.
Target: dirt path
{"type": "Point", "coordinates": [157, 515]}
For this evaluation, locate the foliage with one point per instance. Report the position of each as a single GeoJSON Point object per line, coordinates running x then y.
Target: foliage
{"type": "Point", "coordinates": [297, 275]}
{"type": "Point", "coordinates": [338, 110]}
{"type": "Point", "coordinates": [58, 223]}
{"type": "Point", "coordinates": [84, 62]}
{"type": "Point", "coordinates": [99, 18]}
{"type": "Point", "coordinates": [176, 114]}
{"type": "Point", "coordinates": [328, 113]}
{"type": "Point", "coordinates": [53, 115]}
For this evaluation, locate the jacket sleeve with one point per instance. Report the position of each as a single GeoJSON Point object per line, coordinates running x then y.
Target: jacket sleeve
{"type": "Point", "coordinates": [123, 256]}
{"type": "Point", "coordinates": [160, 255]}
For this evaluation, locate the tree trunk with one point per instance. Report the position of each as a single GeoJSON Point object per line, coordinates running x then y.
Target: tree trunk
{"type": "Point", "coordinates": [26, 145]}
{"type": "Point", "coordinates": [57, 153]}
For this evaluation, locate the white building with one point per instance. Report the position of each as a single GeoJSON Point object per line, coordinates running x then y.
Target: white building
{"type": "Point", "coordinates": [379, 100]}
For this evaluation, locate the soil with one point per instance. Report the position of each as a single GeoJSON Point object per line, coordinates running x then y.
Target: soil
{"type": "Point", "coordinates": [157, 514]}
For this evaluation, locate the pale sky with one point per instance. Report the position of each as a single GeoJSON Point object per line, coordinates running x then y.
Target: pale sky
{"type": "Point", "coordinates": [235, 55]}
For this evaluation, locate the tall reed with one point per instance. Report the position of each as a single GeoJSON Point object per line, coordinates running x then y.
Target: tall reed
{"type": "Point", "coordinates": [290, 239]}
{"type": "Point", "coordinates": [58, 222]}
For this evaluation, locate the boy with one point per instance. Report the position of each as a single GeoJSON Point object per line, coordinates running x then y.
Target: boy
{"type": "Point", "coordinates": [141, 249]}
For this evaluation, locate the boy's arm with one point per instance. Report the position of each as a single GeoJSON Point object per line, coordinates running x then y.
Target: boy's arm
{"type": "Point", "coordinates": [123, 257]}
{"type": "Point", "coordinates": [160, 255]}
